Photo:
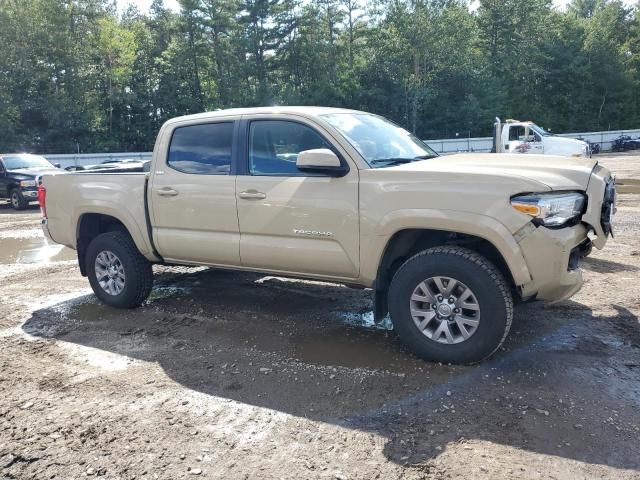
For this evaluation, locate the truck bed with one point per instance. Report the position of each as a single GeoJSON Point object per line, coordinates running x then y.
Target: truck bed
{"type": "Point", "coordinates": [120, 195]}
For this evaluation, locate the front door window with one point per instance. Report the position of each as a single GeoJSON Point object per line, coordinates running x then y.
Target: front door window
{"type": "Point", "coordinates": [274, 146]}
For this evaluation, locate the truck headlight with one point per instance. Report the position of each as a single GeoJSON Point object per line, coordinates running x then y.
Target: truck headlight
{"type": "Point", "coordinates": [551, 209]}
{"type": "Point", "coordinates": [27, 183]}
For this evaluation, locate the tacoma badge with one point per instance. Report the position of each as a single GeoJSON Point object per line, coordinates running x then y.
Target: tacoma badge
{"type": "Point", "coordinates": [312, 233]}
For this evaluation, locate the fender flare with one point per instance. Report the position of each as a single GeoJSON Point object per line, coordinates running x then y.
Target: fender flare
{"type": "Point", "coordinates": [99, 207]}
{"type": "Point", "coordinates": [481, 226]}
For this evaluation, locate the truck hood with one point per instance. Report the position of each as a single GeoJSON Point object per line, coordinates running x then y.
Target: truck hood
{"type": "Point", "coordinates": [553, 172]}
{"type": "Point", "coordinates": [575, 144]}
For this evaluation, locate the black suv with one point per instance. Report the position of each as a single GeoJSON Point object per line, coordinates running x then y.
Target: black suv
{"type": "Point", "coordinates": [19, 177]}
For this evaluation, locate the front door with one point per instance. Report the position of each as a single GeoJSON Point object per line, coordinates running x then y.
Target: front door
{"type": "Point", "coordinates": [290, 221]}
{"type": "Point", "coordinates": [535, 142]}
{"type": "Point", "coordinates": [4, 181]}
{"type": "Point", "coordinates": [523, 139]}
{"type": "Point", "coordinates": [193, 197]}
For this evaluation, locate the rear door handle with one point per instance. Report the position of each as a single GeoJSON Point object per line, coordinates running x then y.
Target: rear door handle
{"type": "Point", "coordinates": [166, 192]}
{"type": "Point", "coordinates": [252, 195]}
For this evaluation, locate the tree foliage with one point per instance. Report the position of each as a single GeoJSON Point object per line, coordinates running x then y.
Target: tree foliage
{"type": "Point", "coordinates": [80, 75]}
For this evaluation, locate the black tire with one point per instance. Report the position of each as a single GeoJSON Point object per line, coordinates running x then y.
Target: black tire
{"type": "Point", "coordinates": [137, 270]}
{"type": "Point", "coordinates": [473, 270]}
{"type": "Point", "coordinates": [17, 200]}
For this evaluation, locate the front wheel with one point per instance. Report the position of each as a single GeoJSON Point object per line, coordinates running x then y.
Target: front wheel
{"type": "Point", "coordinates": [18, 202]}
{"type": "Point", "coordinates": [451, 305]}
{"type": "Point", "coordinates": [118, 273]}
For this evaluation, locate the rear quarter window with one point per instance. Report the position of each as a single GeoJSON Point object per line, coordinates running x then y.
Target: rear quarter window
{"type": "Point", "coordinates": [202, 149]}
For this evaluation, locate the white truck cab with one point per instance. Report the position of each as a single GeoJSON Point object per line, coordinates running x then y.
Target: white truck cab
{"type": "Point", "coordinates": [514, 136]}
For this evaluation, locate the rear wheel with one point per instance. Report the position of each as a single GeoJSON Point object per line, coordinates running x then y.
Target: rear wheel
{"type": "Point", "coordinates": [18, 202]}
{"type": "Point", "coordinates": [118, 273]}
{"type": "Point", "coordinates": [451, 305]}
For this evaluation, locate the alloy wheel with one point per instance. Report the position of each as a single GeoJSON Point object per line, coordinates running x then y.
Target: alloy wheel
{"type": "Point", "coordinates": [445, 310]}
{"type": "Point", "coordinates": [110, 272]}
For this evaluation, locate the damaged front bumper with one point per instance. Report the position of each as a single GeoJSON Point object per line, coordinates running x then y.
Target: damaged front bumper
{"type": "Point", "coordinates": [553, 258]}
{"type": "Point", "coordinates": [553, 255]}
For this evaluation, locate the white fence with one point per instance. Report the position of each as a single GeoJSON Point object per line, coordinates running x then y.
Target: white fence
{"type": "Point", "coordinates": [484, 144]}
{"type": "Point", "coordinates": [450, 145]}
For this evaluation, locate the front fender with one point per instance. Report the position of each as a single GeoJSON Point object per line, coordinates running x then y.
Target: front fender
{"type": "Point", "coordinates": [487, 228]}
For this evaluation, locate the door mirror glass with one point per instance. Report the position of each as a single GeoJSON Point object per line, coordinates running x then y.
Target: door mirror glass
{"type": "Point", "coordinates": [319, 160]}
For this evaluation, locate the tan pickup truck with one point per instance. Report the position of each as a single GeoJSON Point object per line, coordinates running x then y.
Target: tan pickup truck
{"type": "Point", "coordinates": [446, 243]}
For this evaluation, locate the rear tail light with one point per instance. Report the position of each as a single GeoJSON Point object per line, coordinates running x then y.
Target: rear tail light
{"type": "Point", "coordinates": [42, 200]}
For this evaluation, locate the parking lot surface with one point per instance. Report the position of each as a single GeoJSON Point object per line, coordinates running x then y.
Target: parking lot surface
{"type": "Point", "coordinates": [235, 375]}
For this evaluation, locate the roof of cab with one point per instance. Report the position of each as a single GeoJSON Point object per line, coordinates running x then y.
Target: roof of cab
{"type": "Point", "coordinates": [301, 110]}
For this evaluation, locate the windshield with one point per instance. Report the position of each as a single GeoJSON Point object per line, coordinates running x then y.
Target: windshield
{"type": "Point", "coordinates": [379, 141]}
{"type": "Point", "coordinates": [540, 130]}
{"type": "Point", "coordinates": [15, 162]}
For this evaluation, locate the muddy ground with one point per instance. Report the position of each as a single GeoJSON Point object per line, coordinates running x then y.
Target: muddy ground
{"type": "Point", "coordinates": [225, 375]}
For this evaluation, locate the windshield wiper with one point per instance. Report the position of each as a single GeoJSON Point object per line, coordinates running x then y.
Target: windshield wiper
{"type": "Point", "coordinates": [400, 160]}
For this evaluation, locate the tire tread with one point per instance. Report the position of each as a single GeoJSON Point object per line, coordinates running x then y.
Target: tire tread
{"type": "Point", "coordinates": [141, 268]}
{"type": "Point", "coordinates": [483, 263]}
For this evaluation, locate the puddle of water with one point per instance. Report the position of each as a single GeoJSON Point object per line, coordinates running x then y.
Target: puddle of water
{"type": "Point", "coordinates": [345, 343]}
{"type": "Point", "coordinates": [32, 250]}
{"type": "Point", "coordinates": [354, 351]}
{"type": "Point", "coordinates": [364, 320]}
{"type": "Point", "coordinates": [159, 293]}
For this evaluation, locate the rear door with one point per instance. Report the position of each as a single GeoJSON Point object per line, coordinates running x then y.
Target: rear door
{"type": "Point", "coordinates": [193, 195]}
{"type": "Point", "coordinates": [292, 221]}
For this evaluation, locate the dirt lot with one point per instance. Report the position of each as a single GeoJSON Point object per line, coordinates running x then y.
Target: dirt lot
{"type": "Point", "coordinates": [225, 375]}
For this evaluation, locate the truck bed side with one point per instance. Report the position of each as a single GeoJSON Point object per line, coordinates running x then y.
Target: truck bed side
{"type": "Point", "coordinates": [71, 197]}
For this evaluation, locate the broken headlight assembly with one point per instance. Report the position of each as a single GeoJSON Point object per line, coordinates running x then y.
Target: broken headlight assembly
{"type": "Point", "coordinates": [554, 209]}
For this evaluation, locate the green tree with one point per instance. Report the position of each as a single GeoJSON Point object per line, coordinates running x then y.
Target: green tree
{"type": "Point", "coordinates": [80, 74]}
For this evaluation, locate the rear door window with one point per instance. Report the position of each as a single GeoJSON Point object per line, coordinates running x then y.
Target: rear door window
{"type": "Point", "coordinates": [202, 149]}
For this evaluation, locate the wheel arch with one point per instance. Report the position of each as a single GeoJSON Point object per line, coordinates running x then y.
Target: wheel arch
{"type": "Point", "coordinates": [92, 224]}
{"type": "Point", "coordinates": [406, 243]}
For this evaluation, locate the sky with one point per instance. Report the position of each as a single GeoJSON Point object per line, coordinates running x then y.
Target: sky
{"type": "Point", "coordinates": [143, 5]}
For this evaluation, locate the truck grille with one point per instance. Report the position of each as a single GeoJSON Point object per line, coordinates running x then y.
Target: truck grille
{"type": "Point", "coordinates": [609, 206]}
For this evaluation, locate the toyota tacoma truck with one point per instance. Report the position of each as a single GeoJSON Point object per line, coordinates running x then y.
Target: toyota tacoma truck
{"type": "Point", "coordinates": [445, 243]}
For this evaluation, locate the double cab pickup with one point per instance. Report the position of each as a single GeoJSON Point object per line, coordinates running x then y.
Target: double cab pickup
{"type": "Point", "coordinates": [446, 243]}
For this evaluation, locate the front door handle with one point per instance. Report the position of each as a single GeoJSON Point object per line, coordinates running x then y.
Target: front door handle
{"type": "Point", "coordinates": [166, 192]}
{"type": "Point", "coordinates": [252, 195]}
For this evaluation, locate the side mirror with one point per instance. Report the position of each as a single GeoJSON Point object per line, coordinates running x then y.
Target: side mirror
{"type": "Point", "coordinates": [57, 165]}
{"type": "Point", "coordinates": [321, 160]}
